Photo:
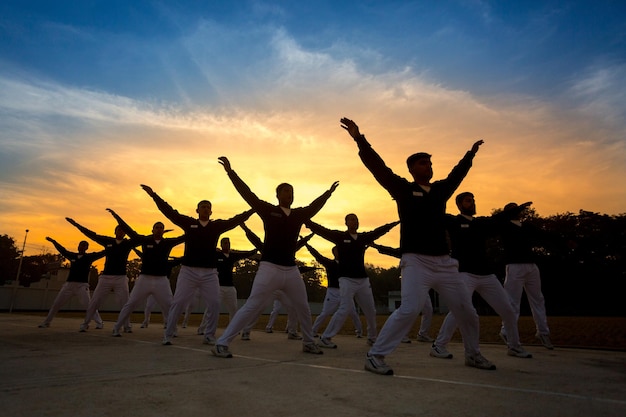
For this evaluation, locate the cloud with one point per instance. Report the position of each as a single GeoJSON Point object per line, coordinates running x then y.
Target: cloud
{"type": "Point", "coordinates": [75, 151]}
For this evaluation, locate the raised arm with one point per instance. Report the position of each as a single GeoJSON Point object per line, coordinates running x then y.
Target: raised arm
{"type": "Point", "coordinates": [241, 187]}
{"type": "Point", "coordinates": [129, 231]}
{"type": "Point", "coordinates": [167, 210]}
{"type": "Point", "coordinates": [252, 237]}
{"type": "Point", "coordinates": [58, 247]}
{"type": "Point", "coordinates": [303, 241]}
{"type": "Point", "coordinates": [370, 158]}
{"type": "Point", "coordinates": [380, 231]}
{"type": "Point", "coordinates": [387, 250]}
{"type": "Point", "coordinates": [328, 234]}
{"type": "Point", "coordinates": [318, 256]}
{"type": "Point", "coordinates": [319, 202]}
{"type": "Point", "coordinates": [102, 240]}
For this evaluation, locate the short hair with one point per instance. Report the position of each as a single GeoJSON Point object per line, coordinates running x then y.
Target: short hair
{"type": "Point", "coordinates": [420, 155]}
{"type": "Point", "coordinates": [510, 206]}
{"type": "Point", "coordinates": [83, 241]}
{"type": "Point", "coordinates": [201, 202]}
{"type": "Point", "coordinates": [224, 239]}
{"type": "Point", "coordinates": [351, 214]}
{"type": "Point", "coordinates": [281, 186]}
{"type": "Point", "coordinates": [161, 223]}
{"type": "Point", "coordinates": [461, 196]}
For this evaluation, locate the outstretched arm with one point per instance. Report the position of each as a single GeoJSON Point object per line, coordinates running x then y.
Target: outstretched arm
{"type": "Point", "coordinates": [303, 241]}
{"type": "Point", "coordinates": [318, 256]}
{"type": "Point", "coordinates": [380, 231]}
{"type": "Point", "coordinates": [58, 246]}
{"type": "Point", "coordinates": [387, 250]}
{"type": "Point", "coordinates": [252, 237]}
{"type": "Point", "coordinates": [241, 187]}
{"type": "Point", "coordinates": [102, 240]}
{"type": "Point", "coordinates": [370, 158]}
{"type": "Point", "coordinates": [319, 202]}
{"type": "Point", "coordinates": [167, 210]}
{"type": "Point", "coordinates": [129, 231]}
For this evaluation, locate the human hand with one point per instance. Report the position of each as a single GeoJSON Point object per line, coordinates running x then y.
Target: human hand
{"type": "Point", "coordinates": [351, 127]}
{"type": "Point", "coordinates": [477, 145]}
{"type": "Point", "coordinates": [147, 189]}
{"type": "Point", "coordinates": [225, 163]}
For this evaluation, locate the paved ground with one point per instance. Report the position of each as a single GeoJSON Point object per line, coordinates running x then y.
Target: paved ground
{"type": "Point", "coordinates": [61, 372]}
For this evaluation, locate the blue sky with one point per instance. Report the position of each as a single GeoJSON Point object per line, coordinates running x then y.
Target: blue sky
{"type": "Point", "coordinates": [97, 97]}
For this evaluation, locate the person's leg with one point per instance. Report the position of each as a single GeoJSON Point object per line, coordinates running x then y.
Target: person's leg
{"type": "Point", "coordinates": [414, 290]}
{"type": "Point", "coordinates": [365, 299]}
{"type": "Point", "coordinates": [65, 293]}
{"type": "Point", "coordinates": [140, 292]}
{"type": "Point", "coordinates": [427, 319]}
{"type": "Point", "coordinates": [228, 298]}
{"type": "Point", "coordinates": [295, 290]}
{"type": "Point", "coordinates": [120, 291]}
{"type": "Point", "coordinates": [99, 294]}
{"type": "Point", "coordinates": [161, 293]}
{"type": "Point", "coordinates": [150, 302]}
{"type": "Point", "coordinates": [347, 289]}
{"type": "Point", "coordinates": [532, 286]}
{"type": "Point", "coordinates": [452, 288]}
{"type": "Point", "coordinates": [514, 285]}
{"type": "Point", "coordinates": [210, 295]}
{"type": "Point", "coordinates": [186, 286]}
{"type": "Point", "coordinates": [263, 286]}
{"type": "Point", "coordinates": [331, 304]}
{"type": "Point", "coordinates": [273, 314]}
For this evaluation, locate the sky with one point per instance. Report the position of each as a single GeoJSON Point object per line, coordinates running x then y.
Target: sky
{"type": "Point", "coordinates": [98, 97]}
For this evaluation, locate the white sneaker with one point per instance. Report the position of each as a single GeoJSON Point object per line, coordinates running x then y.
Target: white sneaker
{"type": "Point", "coordinates": [128, 330]}
{"type": "Point", "coordinates": [480, 362]}
{"type": "Point", "coordinates": [144, 325]}
{"type": "Point", "coordinates": [519, 352]}
{"type": "Point", "coordinates": [44, 325]}
{"type": "Point", "coordinates": [245, 336]}
{"type": "Point", "coordinates": [209, 340]}
{"type": "Point", "coordinates": [116, 333]}
{"type": "Point", "coordinates": [359, 334]}
{"type": "Point", "coordinates": [424, 338]}
{"type": "Point", "coordinates": [166, 341]}
{"type": "Point", "coordinates": [269, 330]}
{"type": "Point", "coordinates": [377, 365]}
{"type": "Point", "coordinates": [83, 328]}
{"type": "Point", "coordinates": [99, 326]}
{"type": "Point", "coordinates": [405, 339]}
{"type": "Point", "coordinates": [326, 343]}
{"type": "Point", "coordinates": [440, 352]}
{"type": "Point", "coordinates": [545, 341]}
{"type": "Point", "coordinates": [221, 351]}
{"type": "Point", "coordinates": [312, 348]}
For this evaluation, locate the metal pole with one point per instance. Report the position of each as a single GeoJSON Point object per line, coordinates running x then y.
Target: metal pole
{"type": "Point", "coordinates": [17, 278]}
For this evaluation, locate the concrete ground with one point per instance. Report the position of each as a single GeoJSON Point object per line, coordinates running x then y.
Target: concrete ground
{"type": "Point", "coordinates": [60, 372]}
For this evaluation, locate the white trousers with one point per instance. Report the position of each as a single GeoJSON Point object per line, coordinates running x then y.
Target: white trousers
{"type": "Point", "coordinates": [349, 290]}
{"type": "Point", "coordinates": [118, 285]}
{"type": "Point", "coordinates": [192, 279]}
{"type": "Point", "coordinates": [420, 273]}
{"type": "Point", "coordinates": [494, 294]}
{"type": "Point", "coordinates": [526, 277]}
{"type": "Point", "coordinates": [228, 298]}
{"type": "Point", "coordinates": [331, 305]}
{"type": "Point", "coordinates": [67, 291]}
{"type": "Point", "coordinates": [269, 278]}
{"type": "Point", "coordinates": [145, 286]}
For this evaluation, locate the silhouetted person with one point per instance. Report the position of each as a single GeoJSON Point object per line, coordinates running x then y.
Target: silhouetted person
{"type": "Point", "coordinates": [425, 262]}
{"type": "Point", "coordinates": [77, 282]}
{"type": "Point", "coordinates": [277, 269]}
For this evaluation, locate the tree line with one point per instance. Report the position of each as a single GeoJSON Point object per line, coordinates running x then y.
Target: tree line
{"type": "Point", "coordinates": [583, 266]}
